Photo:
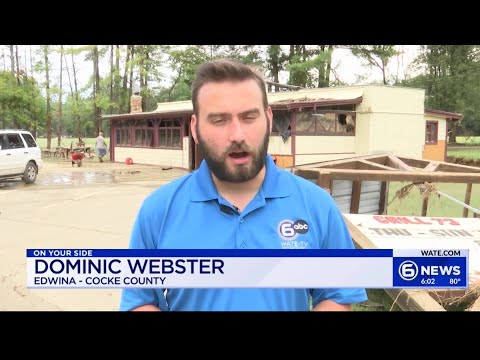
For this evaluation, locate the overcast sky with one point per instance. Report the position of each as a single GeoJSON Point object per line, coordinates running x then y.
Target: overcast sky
{"type": "Point", "coordinates": [350, 67]}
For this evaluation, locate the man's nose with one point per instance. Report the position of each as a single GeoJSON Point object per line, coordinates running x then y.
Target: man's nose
{"type": "Point", "coordinates": [236, 131]}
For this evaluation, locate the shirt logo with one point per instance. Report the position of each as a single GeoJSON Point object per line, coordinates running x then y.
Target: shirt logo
{"type": "Point", "coordinates": [289, 230]}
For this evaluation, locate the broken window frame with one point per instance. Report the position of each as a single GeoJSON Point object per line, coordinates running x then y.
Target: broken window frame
{"type": "Point", "coordinates": [319, 127]}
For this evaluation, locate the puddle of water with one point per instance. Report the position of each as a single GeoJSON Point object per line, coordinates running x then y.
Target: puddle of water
{"type": "Point", "coordinates": [76, 178]}
{"type": "Point", "coordinates": [9, 184]}
{"type": "Point", "coordinates": [92, 177]}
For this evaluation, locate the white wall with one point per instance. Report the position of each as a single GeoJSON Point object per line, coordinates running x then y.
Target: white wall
{"type": "Point", "coordinates": [442, 125]}
{"type": "Point", "coordinates": [362, 133]}
{"type": "Point", "coordinates": [394, 117]}
{"type": "Point", "coordinates": [442, 128]}
{"type": "Point", "coordinates": [277, 146]}
{"type": "Point", "coordinates": [398, 134]}
{"type": "Point", "coordinates": [163, 157]}
{"type": "Point", "coordinates": [313, 148]}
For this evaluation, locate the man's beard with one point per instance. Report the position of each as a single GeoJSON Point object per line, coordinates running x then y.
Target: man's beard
{"type": "Point", "coordinates": [240, 173]}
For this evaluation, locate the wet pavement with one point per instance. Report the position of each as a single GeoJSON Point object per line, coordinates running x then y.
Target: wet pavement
{"type": "Point", "coordinates": [61, 173]}
{"type": "Point", "coordinates": [77, 178]}
{"type": "Point", "coordinates": [101, 177]}
{"type": "Point", "coordinates": [90, 207]}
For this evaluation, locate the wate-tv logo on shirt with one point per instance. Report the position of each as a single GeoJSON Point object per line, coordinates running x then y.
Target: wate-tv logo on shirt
{"type": "Point", "coordinates": [289, 230]}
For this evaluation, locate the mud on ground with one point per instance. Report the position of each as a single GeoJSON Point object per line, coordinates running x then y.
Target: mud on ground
{"type": "Point", "coordinates": [61, 172]}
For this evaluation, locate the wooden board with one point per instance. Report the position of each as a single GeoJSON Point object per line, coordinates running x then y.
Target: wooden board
{"type": "Point", "coordinates": [284, 161]}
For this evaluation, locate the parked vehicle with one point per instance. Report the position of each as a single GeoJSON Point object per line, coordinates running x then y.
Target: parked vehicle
{"type": "Point", "coordinates": [20, 156]}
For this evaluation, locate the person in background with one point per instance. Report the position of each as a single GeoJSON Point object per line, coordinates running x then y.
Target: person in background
{"type": "Point", "coordinates": [239, 189]}
{"type": "Point", "coordinates": [101, 146]}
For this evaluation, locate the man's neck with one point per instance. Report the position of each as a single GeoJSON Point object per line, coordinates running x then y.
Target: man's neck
{"type": "Point", "coordinates": [240, 194]}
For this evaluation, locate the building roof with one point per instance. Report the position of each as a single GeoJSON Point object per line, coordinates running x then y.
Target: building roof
{"type": "Point", "coordinates": [283, 100]}
{"type": "Point", "coordinates": [280, 100]}
{"type": "Point", "coordinates": [451, 115]}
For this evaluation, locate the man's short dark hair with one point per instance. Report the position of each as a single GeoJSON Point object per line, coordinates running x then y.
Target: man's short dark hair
{"type": "Point", "coordinates": [225, 70]}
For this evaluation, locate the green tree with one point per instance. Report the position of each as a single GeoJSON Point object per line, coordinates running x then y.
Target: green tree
{"type": "Point", "coordinates": [275, 62]}
{"type": "Point", "coordinates": [450, 78]}
{"type": "Point", "coordinates": [376, 56]}
{"type": "Point", "coordinates": [21, 103]}
{"type": "Point", "coordinates": [183, 64]}
{"type": "Point", "coordinates": [310, 67]}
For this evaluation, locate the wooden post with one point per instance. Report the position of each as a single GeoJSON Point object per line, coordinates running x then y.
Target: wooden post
{"type": "Point", "coordinates": [325, 181]}
{"type": "Point", "coordinates": [355, 197]}
{"type": "Point", "coordinates": [468, 195]}
{"type": "Point", "coordinates": [424, 206]}
{"type": "Point", "coordinates": [382, 208]}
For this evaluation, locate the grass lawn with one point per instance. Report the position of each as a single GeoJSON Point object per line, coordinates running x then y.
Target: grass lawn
{"type": "Point", "coordinates": [89, 142]}
{"type": "Point", "coordinates": [465, 153]}
{"type": "Point", "coordinates": [378, 300]}
{"type": "Point", "coordinates": [411, 205]}
{"type": "Point", "coordinates": [472, 140]}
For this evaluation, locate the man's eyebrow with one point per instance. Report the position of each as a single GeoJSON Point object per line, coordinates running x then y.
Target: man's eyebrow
{"type": "Point", "coordinates": [218, 114]}
{"type": "Point", "coordinates": [255, 111]}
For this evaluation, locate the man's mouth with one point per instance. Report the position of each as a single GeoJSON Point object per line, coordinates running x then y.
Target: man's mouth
{"type": "Point", "coordinates": [238, 155]}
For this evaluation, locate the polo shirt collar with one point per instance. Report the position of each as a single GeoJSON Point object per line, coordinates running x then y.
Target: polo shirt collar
{"type": "Point", "coordinates": [275, 184]}
{"type": "Point", "coordinates": [202, 187]}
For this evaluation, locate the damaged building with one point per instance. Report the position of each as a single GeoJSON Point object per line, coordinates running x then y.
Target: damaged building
{"type": "Point", "coordinates": [309, 126]}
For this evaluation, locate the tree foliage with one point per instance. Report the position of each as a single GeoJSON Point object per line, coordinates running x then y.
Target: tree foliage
{"type": "Point", "coordinates": [21, 104]}
{"type": "Point", "coordinates": [450, 75]}
{"type": "Point", "coordinates": [376, 56]}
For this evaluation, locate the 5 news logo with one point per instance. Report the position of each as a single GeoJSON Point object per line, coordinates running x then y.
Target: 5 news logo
{"type": "Point", "coordinates": [430, 272]}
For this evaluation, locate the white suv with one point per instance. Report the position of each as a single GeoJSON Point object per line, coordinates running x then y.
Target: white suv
{"type": "Point", "coordinates": [20, 156]}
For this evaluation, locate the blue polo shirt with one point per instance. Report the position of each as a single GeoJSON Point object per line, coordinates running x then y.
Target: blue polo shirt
{"type": "Point", "coordinates": [189, 213]}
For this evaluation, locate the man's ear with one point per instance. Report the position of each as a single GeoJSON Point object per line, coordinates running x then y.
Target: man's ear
{"type": "Point", "coordinates": [270, 118]}
{"type": "Point", "coordinates": [193, 128]}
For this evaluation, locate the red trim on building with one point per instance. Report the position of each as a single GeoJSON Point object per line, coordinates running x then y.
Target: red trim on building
{"type": "Point", "coordinates": [450, 115]}
{"type": "Point", "coordinates": [292, 104]}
